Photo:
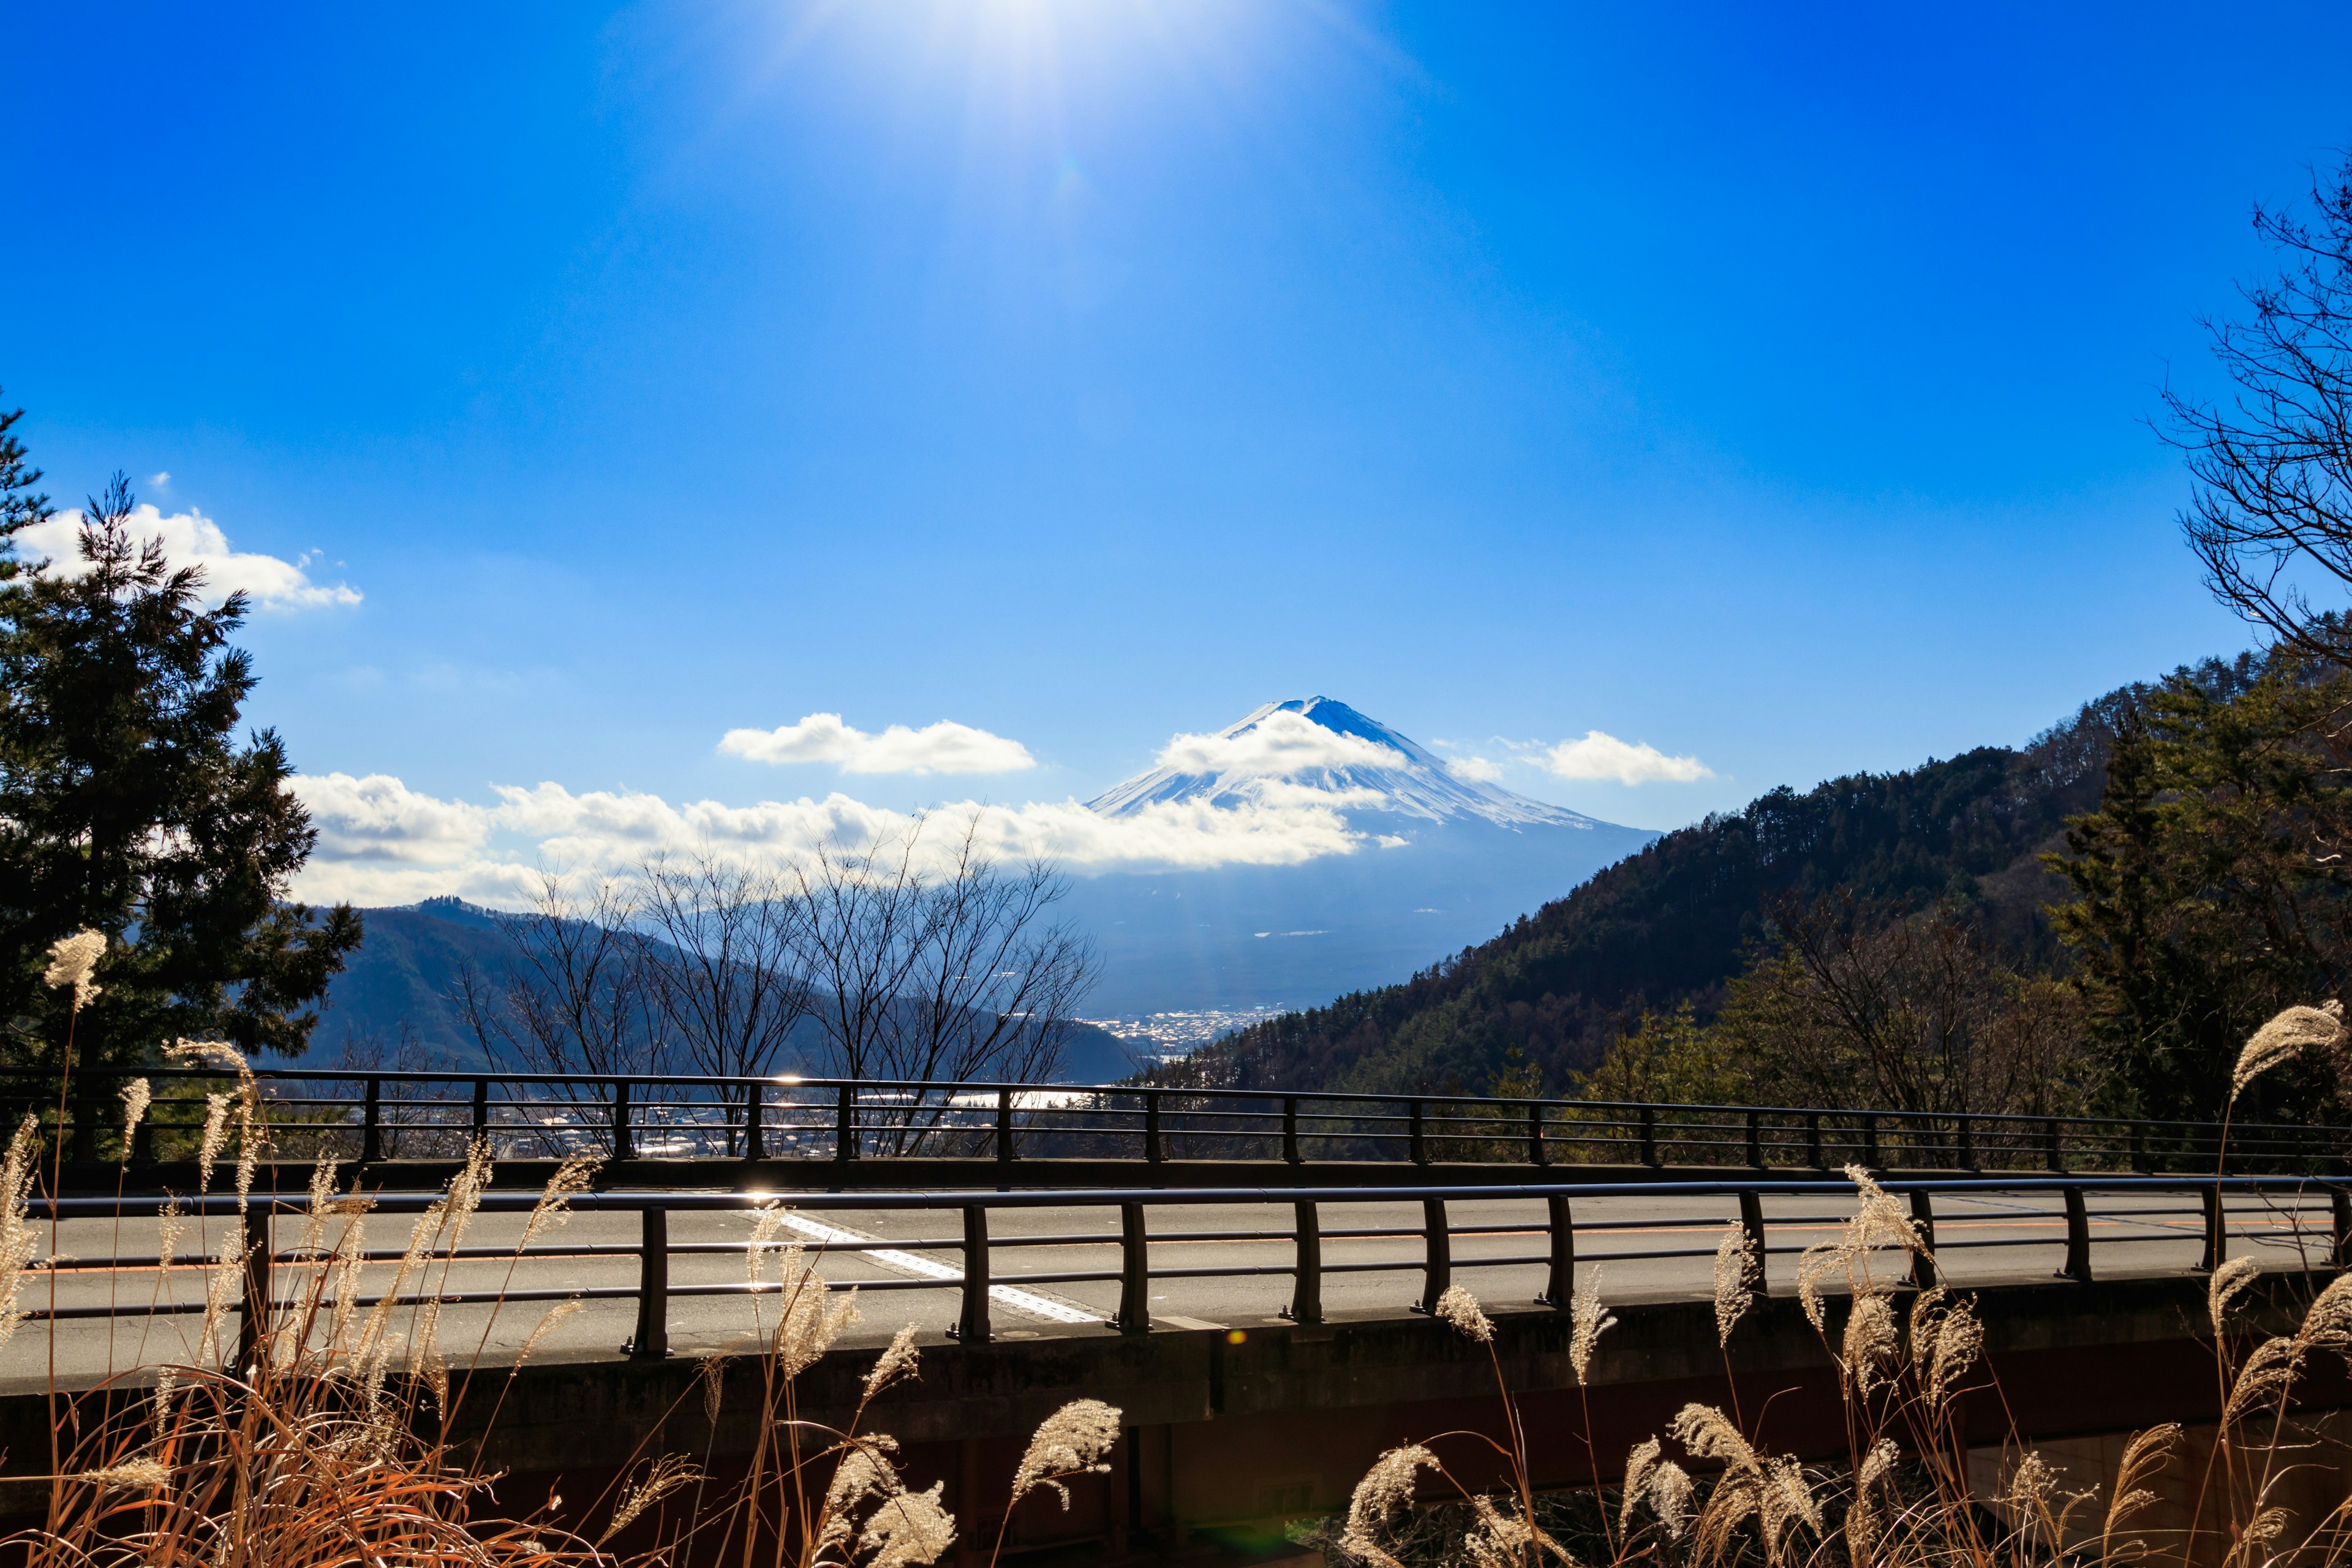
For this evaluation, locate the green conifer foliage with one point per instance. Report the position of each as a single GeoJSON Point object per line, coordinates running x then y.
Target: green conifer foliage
{"type": "Point", "coordinates": [128, 804]}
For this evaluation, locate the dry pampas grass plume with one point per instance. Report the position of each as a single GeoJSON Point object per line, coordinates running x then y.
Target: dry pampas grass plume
{"type": "Point", "coordinates": [1461, 1309]}
{"type": "Point", "coordinates": [136, 1095]}
{"type": "Point", "coordinates": [2285, 1037]}
{"type": "Point", "coordinates": [1588, 1321]}
{"type": "Point", "coordinates": [1070, 1442]}
{"type": "Point", "coordinates": [1387, 1487]}
{"type": "Point", "coordinates": [72, 960]}
{"type": "Point", "coordinates": [667, 1474]}
{"type": "Point", "coordinates": [1734, 1266]}
{"type": "Point", "coordinates": [2228, 1283]}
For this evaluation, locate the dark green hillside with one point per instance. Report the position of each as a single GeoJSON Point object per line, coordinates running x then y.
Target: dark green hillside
{"type": "Point", "coordinates": [1676, 922]}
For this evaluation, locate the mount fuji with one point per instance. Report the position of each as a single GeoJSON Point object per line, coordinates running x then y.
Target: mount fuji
{"type": "Point", "coordinates": [1439, 861]}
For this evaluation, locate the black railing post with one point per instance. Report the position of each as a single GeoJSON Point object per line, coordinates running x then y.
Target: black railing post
{"type": "Point", "coordinates": [1134, 1273]}
{"type": "Point", "coordinates": [1307, 1282]}
{"type": "Point", "coordinates": [1751, 1221]}
{"type": "Point", "coordinates": [1923, 1221]}
{"type": "Point", "coordinates": [1870, 1160]}
{"type": "Point", "coordinates": [1755, 1140]}
{"type": "Point", "coordinates": [1968, 1142]}
{"type": "Point", "coordinates": [623, 1148]}
{"type": "Point", "coordinates": [1650, 1135]}
{"type": "Point", "coordinates": [253, 1324]}
{"type": "Point", "coordinates": [755, 1116]}
{"type": "Point", "coordinates": [2217, 1231]}
{"type": "Point", "coordinates": [1004, 1126]}
{"type": "Point", "coordinates": [481, 1107]}
{"type": "Point", "coordinates": [2339, 1207]}
{"type": "Point", "coordinates": [1290, 1130]}
{"type": "Point", "coordinates": [972, 1324]}
{"type": "Point", "coordinates": [844, 1124]}
{"type": "Point", "coordinates": [2078, 1239]}
{"type": "Point", "coordinates": [1813, 1140]}
{"type": "Point", "coordinates": [1437, 1245]}
{"type": "Point", "coordinates": [371, 1123]}
{"type": "Point", "coordinates": [1151, 1126]}
{"type": "Point", "coordinates": [1537, 1153]}
{"type": "Point", "coordinates": [1414, 1135]}
{"type": "Point", "coordinates": [2051, 1154]}
{"type": "Point", "coordinates": [651, 1342]}
{"type": "Point", "coordinates": [2139, 1146]}
{"type": "Point", "coordinates": [143, 1142]}
{"type": "Point", "coordinates": [1560, 1291]}
{"type": "Point", "coordinates": [85, 1131]}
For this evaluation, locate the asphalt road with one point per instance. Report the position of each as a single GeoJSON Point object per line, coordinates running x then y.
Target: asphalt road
{"type": "Point", "coordinates": [1638, 1248]}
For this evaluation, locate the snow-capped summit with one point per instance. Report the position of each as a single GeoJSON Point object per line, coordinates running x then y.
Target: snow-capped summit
{"type": "Point", "coordinates": [1321, 744]}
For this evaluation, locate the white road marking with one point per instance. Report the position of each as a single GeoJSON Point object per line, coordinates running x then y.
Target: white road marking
{"type": "Point", "coordinates": [1020, 1301]}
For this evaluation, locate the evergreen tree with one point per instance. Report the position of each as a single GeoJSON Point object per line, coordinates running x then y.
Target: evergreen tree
{"type": "Point", "coordinates": [2213, 889]}
{"type": "Point", "coordinates": [127, 804]}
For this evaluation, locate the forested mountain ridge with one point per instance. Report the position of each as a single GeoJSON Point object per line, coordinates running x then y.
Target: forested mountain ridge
{"type": "Point", "coordinates": [1674, 923]}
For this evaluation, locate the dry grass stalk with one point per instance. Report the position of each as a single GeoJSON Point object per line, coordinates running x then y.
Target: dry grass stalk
{"type": "Point", "coordinates": [2144, 1457]}
{"type": "Point", "coordinates": [136, 1095]}
{"type": "Point", "coordinates": [2226, 1285]}
{"type": "Point", "coordinates": [575, 1175]}
{"type": "Point", "coordinates": [72, 961]}
{"type": "Point", "coordinates": [18, 1238]}
{"type": "Point", "coordinates": [1871, 1341]}
{"type": "Point", "coordinates": [1387, 1487]}
{"type": "Point", "coordinates": [1070, 1442]}
{"type": "Point", "coordinates": [1461, 1309]}
{"type": "Point", "coordinates": [1588, 1322]}
{"type": "Point", "coordinates": [546, 1324]}
{"type": "Point", "coordinates": [1734, 1266]}
{"type": "Point", "coordinates": [894, 1366]}
{"type": "Point", "coordinates": [666, 1475]}
{"type": "Point", "coordinates": [2284, 1039]}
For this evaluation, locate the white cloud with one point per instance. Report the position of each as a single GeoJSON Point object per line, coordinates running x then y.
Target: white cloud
{"type": "Point", "coordinates": [1279, 745]}
{"type": "Point", "coordinates": [192, 539]}
{"type": "Point", "coordinates": [941, 748]}
{"type": "Point", "coordinates": [380, 819]}
{"type": "Point", "coordinates": [1477, 770]}
{"type": "Point", "coordinates": [380, 842]}
{"type": "Point", "coordinates": [1603, 756]}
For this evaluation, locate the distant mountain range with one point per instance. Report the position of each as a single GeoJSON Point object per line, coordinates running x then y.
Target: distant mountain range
{"type": "Point", "coordinates": [1673, 924]}
{"type": "Point", "coordinates": [1438, 862]}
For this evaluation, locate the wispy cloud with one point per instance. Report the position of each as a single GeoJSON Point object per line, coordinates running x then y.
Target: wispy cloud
{"type": "Point", "coordinates": [1477, 770]}
{"type": "Point", "coordinates": [1280, 745]}
{"type": "Point", "coordinates": [191, 539]}
{"type": "Point", "coordinates": [1600, 757]}
{"type": "Point", "coordinates": [942, 748]}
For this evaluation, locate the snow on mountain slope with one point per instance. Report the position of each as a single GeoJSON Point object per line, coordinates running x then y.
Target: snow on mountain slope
{"type": "Point", "coordinates": [1321, 744]}
{"type": "Point", "coordinates": [1440, 861]}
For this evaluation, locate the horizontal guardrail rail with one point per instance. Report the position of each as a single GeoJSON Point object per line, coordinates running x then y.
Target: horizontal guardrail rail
{"type": "Point", "coordinates": [2315, 1216]}
{"type": "Point", "coordinates": [370, 1116]}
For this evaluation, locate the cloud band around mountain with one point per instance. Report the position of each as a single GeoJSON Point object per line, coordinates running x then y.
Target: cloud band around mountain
{"type": "Point", "coordinates": [381, 842]}
{"type": "Point", "coordinates": [945, 747]}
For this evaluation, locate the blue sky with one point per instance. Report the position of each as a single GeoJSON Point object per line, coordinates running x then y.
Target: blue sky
{"type": "Point", "coordinates": [1765, 388]}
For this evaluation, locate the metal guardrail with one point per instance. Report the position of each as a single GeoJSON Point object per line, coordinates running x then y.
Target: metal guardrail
{"type": "Point", "coordinates": [2287, 1201]}
{"type": "Point", "coordinates": [372, 1116]}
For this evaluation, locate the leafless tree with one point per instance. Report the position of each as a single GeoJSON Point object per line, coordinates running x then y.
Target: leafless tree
{"type": "Point", "coordinates": [570, 996]}
{"type": "Point", "coordinates": [959, 973]}
{"type": "Point", "coordinates": [1905, 1009]}
{"type": "Point", "coordinates": [2272, 512]}
{"type": "Point", "coordinates": [722, 965]}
